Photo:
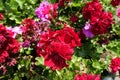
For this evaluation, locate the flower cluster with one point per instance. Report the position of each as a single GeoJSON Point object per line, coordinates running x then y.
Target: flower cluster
{"type": "Point", "coordinates": [47, 11]}
{"type": "Point", "coordinates": [87, 77]}
{"type": "Point", "coordinates": [91, 9]}
{"type": "Point", "coordinates": [100, 21]}
{"type": "Point", "coordinates": [115, 65]}
{"type": "Point", "coordinates": [74, 18]}
{"type": "Point", "coordinates": [31, 31]}
{"type": "Point", "coordinates": [64, 38]}
{"type": "Point", "coordinates": [8, 46]}
{"type": "Point", "coordinates": [57, 47]}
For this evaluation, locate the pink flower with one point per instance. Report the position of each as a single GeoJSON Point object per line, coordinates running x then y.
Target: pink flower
{"type": "Point", "coordinates": [26, 43]}
{"type": "Point", "coordinates": [3, 68]}
{"type": "Point", "coordinates": [118, 12]}
{"type": "Point", "coordinates": [16, 30]}
{"type": "Point", "coordinates": [115, 65]}
{"type": "Point", "coordinates": [47, 11]}
{"type": "Point", "coordinates": [87, 77]}
{"type": "Point", "coordinates": [12, 62]}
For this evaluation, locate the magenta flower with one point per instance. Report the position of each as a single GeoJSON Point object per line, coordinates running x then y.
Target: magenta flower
{"type": "Point", "coordinates": [87, 31]}
{"type": "Point", "coordinates": [26, 43]}
{"type": "Point", "coordinates": [118, 12]}
{"type": "Point", "coordinates": [47, 11]}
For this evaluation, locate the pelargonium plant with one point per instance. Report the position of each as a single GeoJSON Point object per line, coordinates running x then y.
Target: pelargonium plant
{"type": "Point", "coordinates": [9, 47]}
{"type": "Point", "coordinates": [63, 40]}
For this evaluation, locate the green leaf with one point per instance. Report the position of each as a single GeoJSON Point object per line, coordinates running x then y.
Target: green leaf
{"type": "Point", "coordinates": [13, 4]}
{"type": "Point", "coordinates": [32, 1]}
{"type": "Point", "coordinates": [28, 52]}
{"type": "Point", "coordinates": [39, 61]}
{"type": "Point", "coordinates": [1, 6]}
{"type": "Point", "coordinates": [96, 65]}
{"type": "Point", "coordinates": [16, 78]}
{"type": "Point", "coordinates": [20, 3]}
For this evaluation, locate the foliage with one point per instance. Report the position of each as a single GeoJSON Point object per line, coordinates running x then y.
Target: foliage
{"type": "Point", "coordinates": [93, 57]}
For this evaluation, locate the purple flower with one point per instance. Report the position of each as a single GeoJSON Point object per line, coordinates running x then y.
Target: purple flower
{"type": "Point", "coordinates": [87, 31]}
{"type": "Point", "coordinates": [46, 11]}
{"type": "Point", "coordinates": [26, 43]}
{"type": "Point", "coordinates": [43, 11]}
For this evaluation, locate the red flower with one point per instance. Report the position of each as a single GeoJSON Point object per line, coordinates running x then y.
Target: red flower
{"type": "Point", "coordinates": [57, 55]}
{"type": "Point", "coordinates": [101, 24]}
{"type": "Point", "coordinates": [69, 36]}
{"type": "Point", "coordinates": [115, 2]}
{"type": "Point", "coordinates": [87, 77]}
{"type": "Point", "coordinates": [3, 56]}
{"type": "Point", "coordinates": [77, 77]}
{"type": "Point", "coordinates": [55, 12]}
{"type": "Point", "coordinates": [57, 47]}
{"type": "Point", "coordinates": [62, 2]}
{"type": "Point", "coordinates": [74, 18]}
{"type": "Point", "coordinates": [115, 65]}
{"type": "Point", "coordinates": [81, 34]}
{"type": "Point", "coordinates": [27, 25]}
{"type": "Point", "coordinates": [1, 16]}
{"type": "Point", "coordinates": [92, 8]}
{"type": "Point", "coordinates": [8, 45]}
{"type": "Point", "coordinates": [13, 45]}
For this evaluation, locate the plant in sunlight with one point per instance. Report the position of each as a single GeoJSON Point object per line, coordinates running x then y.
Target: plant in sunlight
{"type": "Point", "coordinates": [59, 39]}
